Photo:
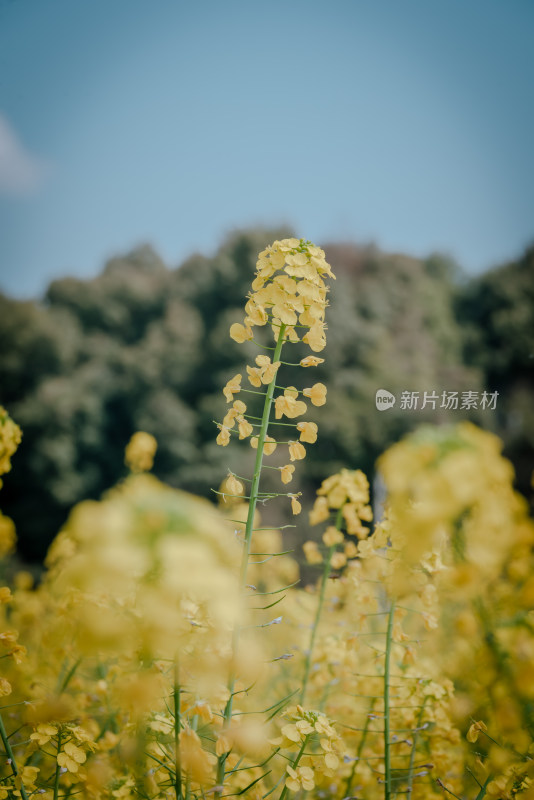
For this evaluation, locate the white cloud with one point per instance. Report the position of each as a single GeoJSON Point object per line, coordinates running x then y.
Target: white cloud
{"type": "Point", "coordinates": [21, 173]}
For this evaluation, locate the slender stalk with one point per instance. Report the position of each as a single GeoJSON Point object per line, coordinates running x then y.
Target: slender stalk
{"type": "Point", "coordinates": [58, 769]}
{"type": "Point", "coordinates": [502, 662]}
{"type": "Point", "coordinates": [295, 764]}
{"type": "Point", "coordinates": [177, 723]}
{"type": "Point", "coordinates": [319, 611]}
{"type": "Point", "coordinates": [387, 721]}
{"type": "Point", "coordinates": [482, 792]}
{"type": "Point", "coordinates": [253, 499]}
{"type": "Point", "coordinates": [409, 788]}
{"type": "Point", "coordinates": [64, 681]}
{"type": "Point", "coordinates": [11, 757]}
{"type": "Point", "coordinates": [350, 779]}
{"type": "Point", "coordinates": [194, 726]}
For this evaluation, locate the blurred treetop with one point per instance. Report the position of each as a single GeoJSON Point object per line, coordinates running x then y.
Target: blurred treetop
{"type": "Point", "coordinates": [144, 347]}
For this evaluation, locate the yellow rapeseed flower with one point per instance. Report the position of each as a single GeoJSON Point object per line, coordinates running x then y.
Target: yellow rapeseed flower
{"type": "Point", "coordinates": [244, 427]}
{"type": "Point", "coordinates": [311, 361]}
{"type": "Point", "coordinates": [43, 733]}
{"type": "Point", "coordinates": [10, 438]}
{"type": "Point", "coordinates": [5, 594]}
{"type": "Point", "coordinates": [332, 535]}
{"type": "Point", "coordinates": [7, 535]}
{"type": "Point", "coordinates": [312, 553]}
{"type": "Point", "coordinates": [71, 757]}
{"type": "Point", "coordinates": [474, 731]}
{"type": "Point", "coordinates": [317, 394]}
{"type": "Point", "coordinates": [233, 486]}
{"type": "Point", "coordinates": [308, 432]}
{"type": "Point", "coordinates": [286, 473]}
{"type": "Point", "coordinates": [297, 451]}
{"type": "Point", "coordinates": [232, 387]}
{"type": "Point", "coordinates": [301, 778]}
{"type": "Point", "coordinates": [320, 511]}
{"type": "Point", "coordinates": [296, 507]}
{"type": "Point", "coordinates": [240, 333]}
{"type": "Point", "coordinates": [224, 436]}
{"type": "Point", "coordinates": [254, 376]}
{"type": "Point", "coordinates": [140, 452]}
{"type": "Point", "coordinates": [288, 405]}
{"type": "Point", "coordinates": [269, 445]}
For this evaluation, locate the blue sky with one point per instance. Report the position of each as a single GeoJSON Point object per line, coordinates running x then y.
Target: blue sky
{"type": "Point", "coordinates": [405, 122]}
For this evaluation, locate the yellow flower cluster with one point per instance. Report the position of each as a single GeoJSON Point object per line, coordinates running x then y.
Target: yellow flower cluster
{"type": "Point", "coordinates": [143, 553]}
{"type": "Point", "coordinates": [348, 678]}
{"type": "Point", "coordinates": [456, 515]}
{"type": "Point", "coordinates": [140, 595]}
{"type": "Point", "coordinates": [309, 730]}
{"type": "Point", "coordinates": [416, 644]}
{"type": "Point", "coordinates": [288, 289]}
{"type": "Point", "coordinates": [140, 452]}
{"type": "Point", "coordinates": [347, 495]}
{"type": "Point", "coordinates": [288, 292]}
{"type": "Point", "coordinates": [436, 481]}
{"type": "Point", "coordinates": [10, 438]}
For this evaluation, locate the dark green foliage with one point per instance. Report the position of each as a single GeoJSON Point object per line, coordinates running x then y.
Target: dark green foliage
{"type": "Point", "coordinates": [497, 311]}
{"type": "Point", "coordinates": [142, 347]}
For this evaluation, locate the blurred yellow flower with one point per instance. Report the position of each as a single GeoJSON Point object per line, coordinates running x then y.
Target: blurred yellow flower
{"type": "Point", "coordinates": [71, 757]}
{"type": "Point", "coordinates": [296, 507]}
{"type": "Point", "coordinates": [332, 536]}
{"type": "Point", "coordinates": [320, 511]}
{"type": "Point", "coordinates": [10, 438]}
{"type": "Point", "coordinates": [474, 730]}
{"type": "Point", "coordinates": [140, 452]}
{"type": "Point", "coordinates": [312, 553]}
{"type": "Point", "coordinates": [301, 778]}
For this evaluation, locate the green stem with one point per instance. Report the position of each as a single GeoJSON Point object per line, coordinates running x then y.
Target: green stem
{"type": "Point", "coordinates": [194, 726]}
{"type": "Point", "coordinates": [502, 662]}
{"type": "Point", "coordinates": [387, 721]}
{"type": "Point", "coordinates": [58, 769]}
{"type": "Point", "coordinates": [177, 724]}
{"type": "Point", "coordinates": [409, 788]}
{"type": "Point", "coordinates": [482, 792]}
{"type": "Point", "coordinates": [11, 757]}
{"type": "Point", "coordinates": [295, 764]}
{"type": "Point", "coordinates": [254, 491]}
{"type": "Point", "coordinates": [322, 592]}
{"type": "Point", "coordinates": [350, 779]}
{"type": "Point", "coordinates": [64, 682]}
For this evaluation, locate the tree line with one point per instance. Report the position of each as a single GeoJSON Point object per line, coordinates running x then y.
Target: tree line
{"type": "Point", "coordinates": [146, 347]}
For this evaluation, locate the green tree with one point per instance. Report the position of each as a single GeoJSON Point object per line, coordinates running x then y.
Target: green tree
{"type": "Point", "coordinates": [145, 347]}
{"type": "Point", "coordinates": [497, 312]}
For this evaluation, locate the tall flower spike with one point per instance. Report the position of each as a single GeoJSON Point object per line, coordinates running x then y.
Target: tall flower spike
{"type": "Point", "coordinates": [346, 496]}
{"type": "Point", "coordinates": [288, 293]}
{"type": "Point", "coordinates": [288, 290]}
